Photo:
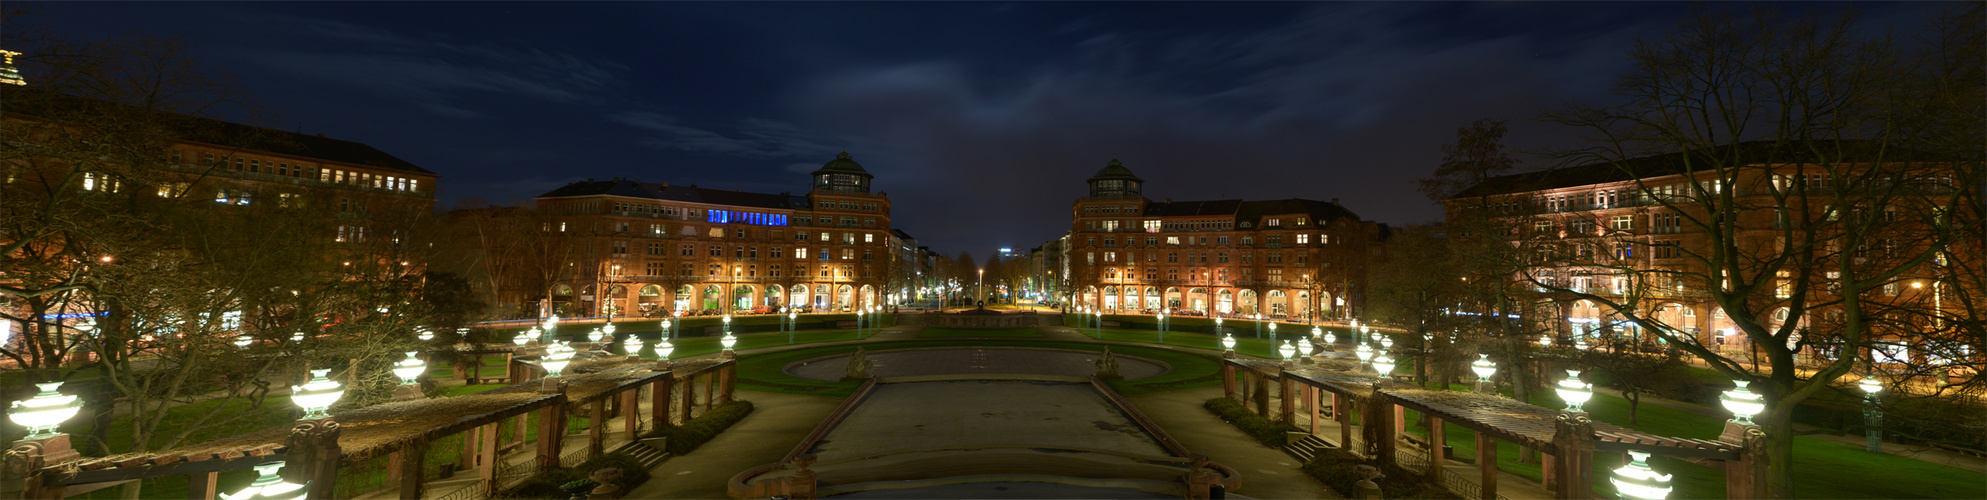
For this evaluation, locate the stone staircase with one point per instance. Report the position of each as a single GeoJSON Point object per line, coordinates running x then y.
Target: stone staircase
{"type": "Point", "coordinates": [1307, 447]}
{"type": "Point", "coordinates": [651, 455]}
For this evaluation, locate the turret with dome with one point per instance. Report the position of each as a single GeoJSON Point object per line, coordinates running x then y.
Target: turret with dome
{"type": "Point", "coordinates": [1115, 180]}
{"type": "Point", "coordinates": [842, 174]}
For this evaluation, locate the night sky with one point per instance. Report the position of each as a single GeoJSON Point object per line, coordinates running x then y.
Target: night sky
{"type": "Point", "coordinates": [981, 120]}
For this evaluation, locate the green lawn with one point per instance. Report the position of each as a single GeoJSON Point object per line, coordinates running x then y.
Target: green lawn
{"type": "Point", "coordinates": [694, 326]}
{"type": "Point", "coordinates": [1021, 332]}
{"type": "Point", "coordinates": [1243, 345]}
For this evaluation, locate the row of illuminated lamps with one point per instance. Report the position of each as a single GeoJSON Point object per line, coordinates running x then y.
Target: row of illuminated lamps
{"type": "Point", "coordinates": [1635, 480]}
{"type": "Point", "coordinates": [48, 409]}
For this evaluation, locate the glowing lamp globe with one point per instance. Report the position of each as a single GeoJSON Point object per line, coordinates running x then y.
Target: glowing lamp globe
{"type": "Point", "coordinates": [1580, 344]}
{"type": "Point", "coordinates": [1304, 347]}
{"type": "Point", "coordinates": [1383, 364]}
{"type": "Point", "coordinates": [425, 336]}
{"type": "Point", "coordinates": [1545, 341]}
{"type": "Point", "coordinates": [298, 337]}
{"type": "Point", "coordinates": [633, 346]}
{"type": "Point", "coordinates": [1637, 481]}
{"type": "Point", "coordinates": [1331, 338]}
{"type": "Point", "coordinates": [663, 348]}
{"type": "Point", "coordinates": [727, 341]}
{"type": "Point", "coordinates": [1287, 350]}
{"type": "Point", "coordinates": [270, 486]}
{"type": "Point", "coordinates": [409, 369]}
{"type": "Point", "coordinates": [1228, 342]}
{"type": "Point", "coordinates": [316, 396]}
{"type": "Point", "coordinates": [1870, 386]}
{"type": "Point", "coordinates": [522, 338]}
{"type": "Point", "coordinates": [552, 322]}
{"type": "Point", "coordinates": [594, 336]}
{"type": "Point", "coordinates": [1743, 403]}
{"type": "Point", "coordinates": [45, 411]}
{"type": "Point", "coordinates": [557, 356]}
{"type": "Point", "coordinates": [1316, 332]}
{"type": "Point", "coordinates": [1386, 342]}
{"type": "Point", "coordinates": [665, 324]}
{"type": "Point", "coordinates": [1483, 367]}
{"type": "Point", "coordinates": [1365, 353]}
{"type": "Point", "coordinates": [609, 329]}
{"type": "Point", "coordinates": [1573, 391]}
{"type": "Point", "coordinates": [244, 341]}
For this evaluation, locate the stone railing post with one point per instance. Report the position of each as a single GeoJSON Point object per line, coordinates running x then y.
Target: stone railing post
{"type": "Point", "coordinates": [22, 469]}
{"type": "Point", "coordinates": [1742, 475]}
{"type": "Point", "coordinates": [313, 456]}
{"type": "Point", "coordinates": [1288, 392]}
{"type": "Point", "coordinates": [1378, 428]}
{"type": "Point", "coordinates": [1574, 464]}
{"type": "Point", "coordinates": [552, 433]}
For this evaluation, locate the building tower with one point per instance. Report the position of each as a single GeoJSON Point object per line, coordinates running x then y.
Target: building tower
{"type": "Point", "coordinates": [842, 174]}
{"type": "Point", "coordinates": [1114, 180]}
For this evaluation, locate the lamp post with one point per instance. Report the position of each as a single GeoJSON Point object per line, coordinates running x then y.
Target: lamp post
{"type": "Point", "coordinates": [1364, 352]}
{"type": "Point", "coordinates": [557, 356]}
{"type": "Point", "coordinates": [1228, 346]}
{"type": "Point", "coordinates": [1303, 350]}
{"type": "Point", "coordinates": [1288, 351]}
{"type": "Point", "coordinates": [241, 342]}
{"type": "Point", "coordinates": [663, 349]}
{"type": "Point", "coordinates": [1384, 365]}
{"type": "Point", "coordinates": [551, 324]}
{"type": "Point", "coordinates": [1872, 415]}
{"type": "Point", "coordinates": [269, 485]}
{"type": "Point", "coordinates": [1742, 402]}
{"type": "Point", "coordinates": [980, 289]}
{"type": "Point", "coordinates": [317, 396]}
{"type": "Point", "coordinates": [409, 369]}
{"type": "Point", "coordinates": [632, 347]}
{"type": "Point", "coordinates": [1636, 481]}
{"type": "Point", "coordinates": [1162, 327]}
{"type": "Point", "coordinates": [728, 341]}
{"type": "Point", "coordinates": [1100, 324]}
{"type": "Point", "coordinates": [1259, 326]}
{"type": "Point", "coordinates": [1484, 369]}
{"type": "Point", "coordinates": [1217, 325]}
{"type": "Point", "coordinates": [45, 411]}
{"type": "Point", "coordinates": [859, 312]}
{"type": "Point", "coordinates": [668, 329]}
{"type": "Point", "coordinates": [793, 324]}
{"type": "Point", "coordinates": [1574, 391]}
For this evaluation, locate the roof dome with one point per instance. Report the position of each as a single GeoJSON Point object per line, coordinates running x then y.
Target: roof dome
{"type": "Point", "coordinates": [1115, 170]}
{"type": "Point", "coordinates": [841, 164]}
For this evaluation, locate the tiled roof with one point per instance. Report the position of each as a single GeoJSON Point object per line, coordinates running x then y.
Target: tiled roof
{"type": "Point", "coordinates": [1187, 208]}
{"type": "Point", "coordinates": [690, 194]}
{"type": "Point", "coordinates": [1323, 212]}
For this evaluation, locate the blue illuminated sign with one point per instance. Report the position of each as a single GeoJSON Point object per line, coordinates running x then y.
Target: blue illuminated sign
{"type": "Point", "coordinates": [736, 217]}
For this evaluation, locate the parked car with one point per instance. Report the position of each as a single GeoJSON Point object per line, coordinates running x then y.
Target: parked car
{"type": "Point", "coordinates": [765, 310]}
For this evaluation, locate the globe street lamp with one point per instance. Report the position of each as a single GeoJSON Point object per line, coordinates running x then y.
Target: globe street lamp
{"type": "Point", "coordinates": [793, 324]}
{"type": "Point", "coordinates": [1217, 325]}
{"type": "Point", "coordinates": [1872, 416]}
{"type": "Point", "coordinates": [425, 335]}
{"type": "Point", "coordinates": [859, 312]}
{"type": "Point", "coordinates": [1574, 391]}
{"type": "Point", "coordinates": [409, 369]}
{"type": "Point", "coordinates": [1259, 325]}
{"type": "Point", "coordinates": [270, 486]}
{"type": "Point", "coordinates": [1384, 365]}
{"type": "Point", "coordinates": [1484, 369]}
{"type": "Point", "coordinates": [316, 396]}
{"type": "Point", "coordinates": [522, 338]}
{"type": "Point", "coordinates": [557, 356]}
{"type": "Point", "coordinates": [1288, 351]}
{"type": "Point", "coordinates": [632, 346]}
{"type": "Point", "coordinates": [594, 336]}
{"type": "Point", "coordinates": [1636, 481]}
{"type": "Point", "coordinates": [551, 323]}
{"type": "Point", "coordinates": [728, 341]}
{"type": "Point", "coordinates": [45, 411]}
{"type": "Point", "coordinates": [663, 349]}
{"type": "Point", "coordinates": [243, 341]}
{"type": "Point", "coordinates": [1303, 350]}
{"type": "Point", "coordinates": [666, 331]}
{"type": "Point", "coordinates": [1228, 346]}
{"type": "Point", "coordinates": [1742, 402]}
{"type": "Point", "coordinates": [1162, 327]}
{"type": "Point", "coordinates": [1364, 352]}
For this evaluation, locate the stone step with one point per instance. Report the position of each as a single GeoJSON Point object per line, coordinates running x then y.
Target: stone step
{"type": "Point", "coordinates": [648, 455]}
{"type": "Point", "coordinates": [1309, 446]}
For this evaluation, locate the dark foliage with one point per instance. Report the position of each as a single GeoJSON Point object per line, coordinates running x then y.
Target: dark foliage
{"type": "Point", "coordinates": [546, 485]}
{"type": "Point", "coordinates": [1267, 431]}
{"type": "Point", "coordinates": [1337, 469]}
{"type": "Point", "coordinates": [696, 432]}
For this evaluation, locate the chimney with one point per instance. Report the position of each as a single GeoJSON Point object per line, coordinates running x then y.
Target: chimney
{"type": "Point", "coordinates": [1335, 201]}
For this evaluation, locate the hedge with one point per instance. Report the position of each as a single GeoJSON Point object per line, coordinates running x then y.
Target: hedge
{"type": "Point", "coordinates": [1266, 431]}
{"type": "Point", "coordinates": [687, 437]}
{"type": "Point", "coordinates": [547, 485]}
{"type": "Point", "coordinates": [1338, 470]}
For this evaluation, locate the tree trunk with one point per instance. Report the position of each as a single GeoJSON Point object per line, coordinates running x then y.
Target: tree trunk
{"type": "Point", "coordinates": [1778, 424]}
{"type": "Point", "coordinates": [1634, 402]}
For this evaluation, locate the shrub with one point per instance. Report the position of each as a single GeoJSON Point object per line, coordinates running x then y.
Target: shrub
{"type": "Point", "coordinates": [547, 485]}
{"type": "Point", "coordinates": [696, 432]}
{"type": "Point", "coordinates": [1266, 431]}
{"type": "Point", "coordinates": [1338, 470]}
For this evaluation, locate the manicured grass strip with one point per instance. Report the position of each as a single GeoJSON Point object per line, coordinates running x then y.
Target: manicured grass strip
{"type": "Point", "coordinates": [937, 332]}
{"type": "Point", "coordinates": [695, 326]}
{"type": "Point", "coordinates": [763, 372]}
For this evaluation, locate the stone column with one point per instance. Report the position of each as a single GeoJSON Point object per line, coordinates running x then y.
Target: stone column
{"type": "Point", "coordinates": [1742, 475]}
{"type": "Point", "coordinates": [1574, 436]}
{"type": "Point", "coordinates": [631, 414]}
{"type": "Point", "coordinates": [659, 400]}
{"type": "Point", "coordinates": [1344, 419]}
{"type": "Point", "coordinates": [313, 452]}
{"type": "Point", "coordinates": [410, 471]}
{"type": "Point", "coordinates": [203, 486]}
{"type": "Point", "coordinates": [487, 457]}
{"type": "Point", "coordinates": [1227, 380]}
{"type": "Point", "coordinates": [551, 435]}
{"type": "Point", "coordinates": [1437, 439]}
{"type": "Point", "coordinates": [1378, 434]}
{"type": "Point", "coordinates": [596, 429]}
{"type": "Point", "coordinates": [1486, 463]}
{"type": "Point", "coordinates": [1288, 392]}
{"type": "Point", "coordinates": [467, 458]}
{"type": "Point", "coordinates": [22, 464]}
{"type": "Point", "coordinates": [728, 379]}
{"type": "Point", "coordinates": [689, 398]}
{"type": "Point", "coordinates": [1311, 399]}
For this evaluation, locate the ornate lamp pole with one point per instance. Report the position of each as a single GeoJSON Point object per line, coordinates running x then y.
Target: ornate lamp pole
{"type": "Point", "coordinates": [1228, 346]}
{"type": "Point", "coordinates": [1872, 414]}
{"type": "Point", "coordinates": [1484, 368]}
{"type": "Point", "coordinates": [313, 442]}
{"type": "Point", "coordinates": [1636, 481]}
{"type": "Point", "coordinates": [1574, 391]}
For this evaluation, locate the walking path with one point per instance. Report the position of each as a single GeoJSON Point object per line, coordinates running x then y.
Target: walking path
{"type": "Point", "coordinates": [778, 422]}
{"type": "Point", "coordinates": [1266, 472]}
